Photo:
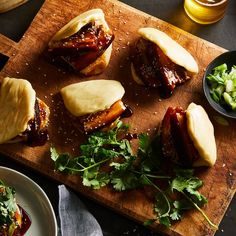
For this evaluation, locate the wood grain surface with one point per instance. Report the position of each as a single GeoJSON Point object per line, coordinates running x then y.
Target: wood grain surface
{"type": "Point", "coordinates": [29, 60]}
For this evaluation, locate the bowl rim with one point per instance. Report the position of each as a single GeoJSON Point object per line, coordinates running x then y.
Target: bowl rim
{"type": "Point", "coordinates": [216, 106]}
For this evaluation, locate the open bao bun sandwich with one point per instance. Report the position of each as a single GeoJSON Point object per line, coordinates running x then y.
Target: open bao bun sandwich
{"type": "Point", "coordinates": [159, 61]}
{"type": "Point", "coordinates": [24, 117]}
{"type": "Point", "coordinates": [85, 43]}
{"type": "Point", "coordinates": [95, 103]}
{"type": "Point", "coordinates": [187, 137]}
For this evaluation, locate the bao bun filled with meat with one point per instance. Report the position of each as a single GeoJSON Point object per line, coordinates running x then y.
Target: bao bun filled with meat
{"type": "Point", "coordinates": [94, 103]}
{"type": "Point", "coordinates": [187, 137]}
{"type": "Point", "coordinates": [23, 116]}
{"type": "Point", "coordinates": [159, 61]}
{"type": "Point", "coordinates": [85, 43]}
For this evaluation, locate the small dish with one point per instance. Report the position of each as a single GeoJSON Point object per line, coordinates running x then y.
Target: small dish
{"type": "Point", "coordinates": [230, 59]}
{"type": "Point", "coordinates": [34, 201]}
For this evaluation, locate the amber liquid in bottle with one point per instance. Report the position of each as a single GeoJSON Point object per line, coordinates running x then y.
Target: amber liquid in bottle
{"type": "Point", "coordinates": [205, 11]}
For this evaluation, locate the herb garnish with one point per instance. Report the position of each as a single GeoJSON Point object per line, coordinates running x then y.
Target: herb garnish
{"type": "Point", "coordinates": [7, 204]}
{"type": "Point", "coordinates": [107, 158]}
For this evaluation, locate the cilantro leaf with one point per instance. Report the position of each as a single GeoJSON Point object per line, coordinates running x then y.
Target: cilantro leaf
{"type": "Point", "coordinates": [190, 186]}
{"type": "Point", "coordinates": [121, 182]}
{"type": "Point", "coordinates": [108, 158]}
{"type": "Point", "coordinates": [175, 215]}
{"type": "Point", "coordinates": [165, 221]}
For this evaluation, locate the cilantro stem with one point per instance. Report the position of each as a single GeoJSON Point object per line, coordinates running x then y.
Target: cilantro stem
{"type": "Point", "coordinates": [201, 211]}
{"type": "Point", "coordinates": [152, 176]}
{"type": "Point", "coordinates": [89, 167]}
{"type": "Point", "coordinates": [162, 193]}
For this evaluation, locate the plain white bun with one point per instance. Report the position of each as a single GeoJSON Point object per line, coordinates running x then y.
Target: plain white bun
{"type": "Point", "coordinates": [201, 132]}
{"type": "Point", "coordinates": [17, 100]}
{"type": "Point", "coordinates": [91, 96]}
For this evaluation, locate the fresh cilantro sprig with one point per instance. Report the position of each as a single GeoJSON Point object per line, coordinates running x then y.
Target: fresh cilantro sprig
{"type": "Point", "coordinates": [107, 158]}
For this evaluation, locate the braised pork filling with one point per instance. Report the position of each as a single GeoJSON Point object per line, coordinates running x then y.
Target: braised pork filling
{"type": "Point", "coordinates": [155, 69]}
{"type": "Point", "coordinates": [89, 123]}
{"type": "Point", "coordinates": [36, 133]}
{"type": "Point", "coordinates": [176, 142]}
{"type": "Point", "coordinates": [84, 47]}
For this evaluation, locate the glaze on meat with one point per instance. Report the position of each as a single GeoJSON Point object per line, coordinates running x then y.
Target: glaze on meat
{"type": "Point", "coordinates": [94, 121]}
{"type": "Point", "coordinates": [155, 69]}
{"type": "Point", "coordinates": [176, 143]}
{"type": "Point", "coordinates": [84, 47]}
{"type": "Point", "coordinates": [37, 133]}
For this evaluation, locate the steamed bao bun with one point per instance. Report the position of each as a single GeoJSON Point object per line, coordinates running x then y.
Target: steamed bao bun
{"type": "Point", "coordinates": [159, 61]}
{"type": "Point", "coordinates": [174, 51]}
{"type": "Point", "coordinates": [201, 132]}
{"type": "Point", "coordinates": [75, 25]}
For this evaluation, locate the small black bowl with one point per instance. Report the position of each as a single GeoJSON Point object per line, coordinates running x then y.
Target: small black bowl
{"type": "Point", "coordinates": [230, 59]}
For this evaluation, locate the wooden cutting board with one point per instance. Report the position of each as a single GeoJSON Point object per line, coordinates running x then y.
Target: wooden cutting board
{"type": "Point", "coordinates": [29, 60]}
